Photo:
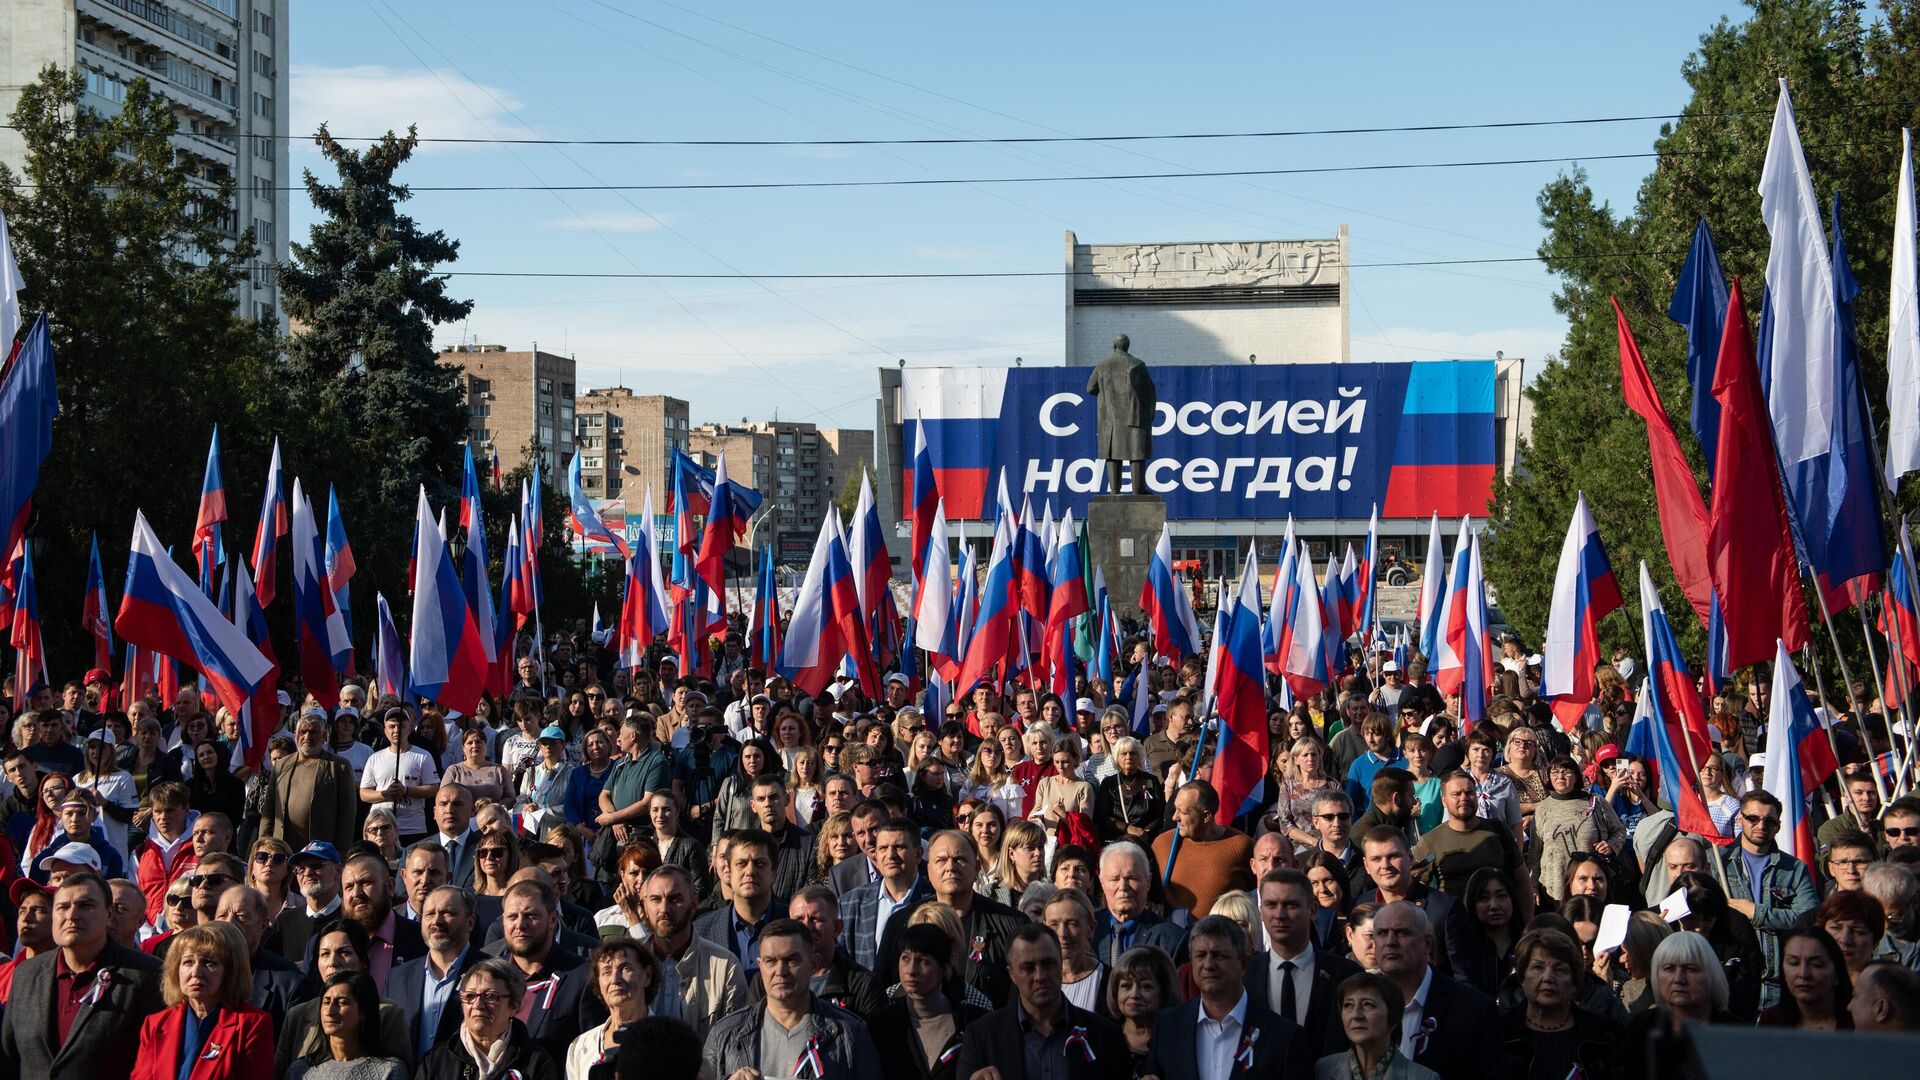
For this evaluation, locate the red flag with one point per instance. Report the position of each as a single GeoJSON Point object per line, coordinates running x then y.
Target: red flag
{"type": "Point", "coordinates": [1683, 515]}
{"type": "Point", "coordinates": [1750, 546]}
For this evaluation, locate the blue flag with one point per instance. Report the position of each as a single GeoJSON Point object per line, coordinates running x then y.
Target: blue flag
{"type": "Point", "coordinates": [1700, 305]}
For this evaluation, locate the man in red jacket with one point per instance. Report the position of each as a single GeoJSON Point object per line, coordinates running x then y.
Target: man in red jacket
{"type": "Point", "coordinates": [167, 853]}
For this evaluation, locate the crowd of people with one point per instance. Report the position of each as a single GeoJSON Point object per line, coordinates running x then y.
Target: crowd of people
{"type": "Point", "coordinates": [612, 873]}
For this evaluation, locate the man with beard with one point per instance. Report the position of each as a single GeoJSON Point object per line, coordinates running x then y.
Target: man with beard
{"type": "Point", "coordinates": [316, 874]}
{"type": "Point", "coordinates": [276, 980]}
{"type": "Point", "coordinates": [366, 897]}
{"type": "Point", "coordinates": [313, 795]}
{"type": "Point", "coordinates": [427, 988]}
{"type": "Point", "coordinates": [558, 1006]}
{"type": "Point", "coordinates": [700, 981]}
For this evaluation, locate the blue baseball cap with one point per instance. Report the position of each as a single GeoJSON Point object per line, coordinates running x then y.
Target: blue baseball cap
{"type": "Point", "coordinates": [554, 732]}
{"type": "Point", "coordinates": [320, 850]}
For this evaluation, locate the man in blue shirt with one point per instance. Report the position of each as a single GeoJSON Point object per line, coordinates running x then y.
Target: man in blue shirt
{"type": "Point", "coordinates": [1767, 885]}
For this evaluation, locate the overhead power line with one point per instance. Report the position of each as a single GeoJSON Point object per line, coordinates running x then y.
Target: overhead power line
{"type": "Point", "coordinates": [1171, 136]}
{"type": "Point", "coordinates": [989, 274]}
{"type": "Point", "coordinates": [946, 181]}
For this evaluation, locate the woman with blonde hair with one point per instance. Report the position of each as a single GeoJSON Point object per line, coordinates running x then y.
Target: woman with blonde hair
{"type": "Point", "coordinates": [1716, 783]}
{"type": "Point", "coordinates": [208, 1025]}
{"type": "Point", "coordinates": [833, 844]}
{"type": "Point", "coordinates": [270, 870]}
{"type": "Point", "coordinates": [383, 831]}
{"type": "Point", "coordinates": [1300, 775]}
{"type": "Point", "coordinates": [990, 780]}
{"type": "Point", "coordinates": [1023, 860]}
{"type": "Point", "coordinates": [496, 858]}
{"type": "Point", "coordinates": [806, 787]}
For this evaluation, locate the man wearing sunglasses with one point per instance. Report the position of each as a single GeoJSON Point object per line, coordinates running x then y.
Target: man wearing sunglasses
{"type": "Point", "coordinates": [1767, 885]}
{"type": "Point", "coordinates": [1901, 824]}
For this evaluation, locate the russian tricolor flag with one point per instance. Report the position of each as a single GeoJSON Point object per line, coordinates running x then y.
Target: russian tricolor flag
{"type": "Point", "coordinates": [93, 612]}
{"type": "Point", "coordinates": [1241, 763]}
{"type": "Point", "coordinates": [1067, 601]}
{"type": "Point", "coordinates": [924, 498]}
{"type": "Point", "coordinates": [763, 622]}
{"type": "Point", "coordinates": [1584, 592]}
{"type": "Point", "coordinates": [1176, 632]}
{"type": "Point", "coordinates": [30, 653]}
{"type": "Point", "coordinates": [1303, 630]}
{"type": "Point", "coordinates": [643, 611]}
{"type": "Point", "coordinates": [1433, 585]}
{"type": "Point", "coordinates": [813, 647]}
{"type": "Point", "coordinates": [207, 550]}
{"type": "Point", "coordinates": [1794, 737]}
{"type": "Point", "coordinates": [340, 570]}
{"type": "Point", "coordinates": [389, 656]}
{"type": "Point", "coordinates": [843, 599]}
{"type": "Point", "coordinates": [1900, 622]}
{"type": "Point", "coordinates": [726, 522]}
{"type": "Point", "coordinates": [270, 529]}
{"type": "Point", "coordinates": [986, 646]}
{"type": "Point", "coordinates": [1279, 609]}
{"type": "Point", "coordinates": [585, 521]}
{"type": "Point", "coordinates": [447, 661]}
{"type": "Point", "coordinates": [1669, 712]}
{"type": "Point", "coordinates": [164, 612]}
{"type": "Point", "coordinates": [1365, 600]}
{"type": "Point", "coordinates": [319, 631]}
{"type": "Point", "coordinates": [1466, 648]}
{"type": "Point", "coordinates": [933, 628]}
{"type": "Point", "coordinates": [873, 576]}
{"type": "Point", "coordinates": [262, 713]}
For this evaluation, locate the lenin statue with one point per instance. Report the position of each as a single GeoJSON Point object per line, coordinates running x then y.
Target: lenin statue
{"type": "Point", "coordinates": [1127, 403]}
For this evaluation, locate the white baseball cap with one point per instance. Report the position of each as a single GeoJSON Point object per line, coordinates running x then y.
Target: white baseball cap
{"type": "Point", "coordinates": [74, 853]}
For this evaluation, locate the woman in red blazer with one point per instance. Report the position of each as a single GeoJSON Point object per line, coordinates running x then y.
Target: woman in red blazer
{"type": "Point", "coordinates": [208, 1031]}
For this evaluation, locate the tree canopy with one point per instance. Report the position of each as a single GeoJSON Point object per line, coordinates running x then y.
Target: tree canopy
{"type": "Point", "coordinates": [1855, 82]}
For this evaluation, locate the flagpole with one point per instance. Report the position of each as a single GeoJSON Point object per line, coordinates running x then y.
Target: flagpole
{"type": "Point", "coordinates": [1846, 677]}
{"type": "Point", "coordinates": [1812, 660]}
{"type": "Point", "coordinates": [1873, 659]}
{"type": "Point", "coordinates": [1896, 656]}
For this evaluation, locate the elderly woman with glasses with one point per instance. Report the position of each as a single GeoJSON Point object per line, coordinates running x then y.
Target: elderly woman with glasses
{"type": "Point", "coordinates": [270, 870]}
{"type": "Point", "coordinates": [492, 1042]}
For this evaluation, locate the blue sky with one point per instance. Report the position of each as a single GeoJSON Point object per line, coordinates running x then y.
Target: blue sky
{"type": "Point", "coordinates": [808, 349]}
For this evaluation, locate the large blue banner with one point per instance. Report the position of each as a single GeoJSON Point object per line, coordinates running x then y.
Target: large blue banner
{"type": "Point", "coordinates": [1230, 441]}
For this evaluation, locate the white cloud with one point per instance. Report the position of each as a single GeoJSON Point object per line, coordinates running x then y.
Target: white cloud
{"type": "Point", "coordinates": [369, 100]}
{"type": "Point", "coordinates": [1419, 343]}
{"type": "Point", "coordinates": [611, 221]}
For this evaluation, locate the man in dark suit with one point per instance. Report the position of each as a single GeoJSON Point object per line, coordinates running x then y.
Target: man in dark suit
{"type": "Point", "coordinates": [1389, 862]}
{"type": "Point", "coordinates": [427, 989]}
{"type": "Point", "coordinates": [453, 816]}
{"type": "Point", "coordinates": [1447, 1023]}
{"type": "Point", "coordinates": [736, 927]}
{"type": "Point", "coordinates": [276, 979]}
{"type": "Point", "coordinates": [76, 1010]}
{"type": "Point", "coordinates": [1126, 874]}
{"type": "Point", "coordinates": [1226, 1034]}
{"type": "Point", "coordinates": [561, 1006]}
{"type": "Point", "coordinates": [1296, 979]}
{"type": "Point", "coordinates": [1016, 1043]}
{"type": "Point", "coordinates": [986, 926]}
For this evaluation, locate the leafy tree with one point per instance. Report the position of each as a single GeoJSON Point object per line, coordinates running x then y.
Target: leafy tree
{"type": "Point", "coordinates": [1846, 76]}
{"type": "Point", "coordinates": [379, 415]}
{"type": "Point", "coordinates": [132, 250]}
{"type": "Point", "coordinates": [849, 493]}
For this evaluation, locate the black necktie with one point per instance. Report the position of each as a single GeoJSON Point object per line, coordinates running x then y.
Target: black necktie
{"type": "Point", "coordinates": [1287, 1009]}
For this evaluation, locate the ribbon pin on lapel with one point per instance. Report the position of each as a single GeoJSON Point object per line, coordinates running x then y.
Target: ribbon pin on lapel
{"type": "Point", "coordinates": [213, 1051]}
{"type": "Point", "coordinates": [546, 988]}
{"type": "Point", "coordinates": [1244, 1056]}
{"type": "Point", "coordinates": [1428, 1025]}
{"type": "Point", "coordinates": [1078, 1037]}
{"type": "Point", "coordinates": [811, 1058]}
{"type": "Point", "coordinates": [99, 988]}
{"type": "Point", "coordinates": [979, 950]}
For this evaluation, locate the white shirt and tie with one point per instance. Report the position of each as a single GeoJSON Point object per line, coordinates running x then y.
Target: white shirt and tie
{"type": "Point", "coordinates": [1415, 1014]}
{"type": "Point", "coordinates": [456, 848]}
{"type": "Point", "coordinates": [1216, 1041]}
{"type": "Point", "coordinates": [1301, 969]}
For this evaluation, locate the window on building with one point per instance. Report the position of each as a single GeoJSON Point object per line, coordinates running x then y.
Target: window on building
{"type": "Point", "coordinates": [262, 148]}
{"type": "Point", "coordinates": [566, 390]}
{"type": "Point", "coordinates": [613, 487]}
{"type": "Point", "coordinates": [263, 106]}
{"type": "Point", "coordinates": [594, 462]}
{"type": "Point", "coordinates": [477, 387]}
{"type": "Point", "coordinates": [262, 64]}
{"type": "Point", "coordinates": [263, 233]}
{"type": "Point", "coordinates": [480, 408]}
{"type": "Point", "coordinates": [262, 21]}
{"type": "Point", "coordinates": [546, 386]}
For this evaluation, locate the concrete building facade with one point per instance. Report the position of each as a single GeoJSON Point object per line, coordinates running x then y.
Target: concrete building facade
{"type": "Point", "coordinates": [1268, 301]}
{"type": "Point", "coordinates": [222, 64]}
{"type": "Point", "coordinates": [515, 398]}
{"type": "Point", "coordinates": [799, 469]}
{"type": "Point", "coordinates": [626, 442]}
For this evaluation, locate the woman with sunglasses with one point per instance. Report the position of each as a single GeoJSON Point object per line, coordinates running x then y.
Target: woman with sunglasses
{"type": "Point", "coordinates": [496, 858]}
{"type": "Point", "coordinates": [270, 870]}
{"type": "Point", "coordinates": [990, 780]}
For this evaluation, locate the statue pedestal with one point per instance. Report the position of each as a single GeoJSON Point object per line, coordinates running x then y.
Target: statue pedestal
{"type": "Point", "coordinates": [1123, 530]}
